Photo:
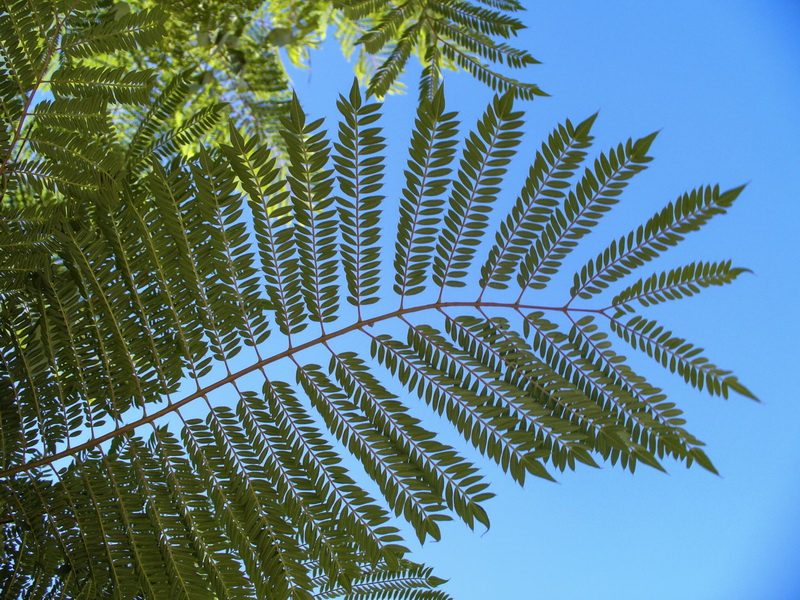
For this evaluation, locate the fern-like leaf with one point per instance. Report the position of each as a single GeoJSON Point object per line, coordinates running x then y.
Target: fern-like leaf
{"type": "Point", "coordinates": [311, 185]}
{"type": "Point", "coordinates": [555, 163]}
{"type": "Point", "coordinates": [153, 289]}
{"type": "Point", "coordinates": [664, 230]}
{"type": "Point", "coordinates": [259, 175]}
{"type": "Point", "coordinates": [431, 153]}
{"type": "Point", "coordinates": [676, 283]}
{"type": "Point", "coordinates": [593, 196]}
{"type": "Point", "coordinates": [481, 170]}
{"type": "Point", "coordinates": [360, 168]}
{"type": "Point", "coordinates": [679, 356]}
{"type": "Point", "coordinates": [142, 28]}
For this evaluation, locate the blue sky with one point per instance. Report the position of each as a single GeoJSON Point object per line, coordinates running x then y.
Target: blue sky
{"type": "Point", "coordinates": [722, 83]}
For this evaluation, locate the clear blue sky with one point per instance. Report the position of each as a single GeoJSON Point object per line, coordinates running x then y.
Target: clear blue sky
{"type": "Point", "coordinates": [722, 82]}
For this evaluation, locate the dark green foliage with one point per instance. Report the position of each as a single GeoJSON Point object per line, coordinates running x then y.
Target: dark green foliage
{"type": "Point", "coordinates": [678, 355]}
{"type": "Point", "coordinates": [690, 212]}
{"type": "Point", "coordinates": [555, 163]}
{"type": "Point", "coordinates": [188, 407]}
{"type": "Point", "coordinates": [487, 151]}
{"type": "Point", "coordinates": [593, 196]}
{"type": "Point", "coordinates": [431, 152]}
{"type": "Point", "coordinates": [676, 283]}
{"type": "Point", "coordinates": [360, 170]}
{"type": "Point", "coordinates": [311, 187]}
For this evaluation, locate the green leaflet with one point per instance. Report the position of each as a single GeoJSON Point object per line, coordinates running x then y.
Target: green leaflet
{"type": "Point", "coordinates": [424, 368]}
{"type": "Point", "coordinates": [408, 582]}
{"type": "Point", "coordinates": [259, 176]}
{"type": "Point", "coordinates": [440, 465]}
{"type": "Point", "coordinates": [113, 84]}
{"type": "Point", "coordinates": [224, 483]}
{"type": "Point", "coordinates": [154, 136]}
{"type": "Point", "coordinates": [400, 481]}
{"type": "Point", "coordinates": [635, 431]}
{"type": "Point", "coordinates": [142, 28]}
{"type": "Point", "coordinates": [654, 424]}
{"type": "Point", "coordinates": [361, 516]}
{"type": "Point", "coordinates": [71, 137]}
{"type": "Point", "coordinates": [538, 399]}
{"type": "Point", "coordinates": [227, 249]}
{"type": "Point", "coordinates": [210, 542]}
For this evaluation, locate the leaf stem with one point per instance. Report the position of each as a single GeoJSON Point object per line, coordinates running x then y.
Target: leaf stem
{"type": "Point", "coordinates": [289, 352]}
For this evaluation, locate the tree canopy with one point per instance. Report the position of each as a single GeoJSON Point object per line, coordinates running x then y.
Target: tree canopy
{"type": "Point", "coordinates": [170, 213]}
